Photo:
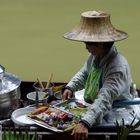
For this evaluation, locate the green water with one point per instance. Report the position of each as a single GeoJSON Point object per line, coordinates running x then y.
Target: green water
{"type": "Point", "coordinates": [32, 43]}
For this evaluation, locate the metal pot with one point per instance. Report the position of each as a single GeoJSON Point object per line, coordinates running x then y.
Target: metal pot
{"type": "Point", "coordinates": [9, 93]}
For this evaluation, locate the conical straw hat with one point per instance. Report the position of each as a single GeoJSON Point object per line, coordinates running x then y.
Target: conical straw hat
{"type": "Point", "coordinates": [95, 26]}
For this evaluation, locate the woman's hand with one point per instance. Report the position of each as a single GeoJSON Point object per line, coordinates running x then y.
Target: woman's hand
{"type": "Point", "coordinates": [67, 94]}
{"type": "Point", "coordinates": [80, 132]}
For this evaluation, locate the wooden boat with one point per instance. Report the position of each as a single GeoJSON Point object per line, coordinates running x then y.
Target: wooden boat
{"type": "Point", "coordinates": [96, 133]}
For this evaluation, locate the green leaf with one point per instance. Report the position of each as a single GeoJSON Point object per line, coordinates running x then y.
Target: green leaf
{"type": "Point", "coordinates": [137, 125]}
{"type": "Point", "coordinates": [124, 130]}
{"type": "Point", "coordinates": [18, 135]}
{"type": "Point", "coordinates": [34, 137]}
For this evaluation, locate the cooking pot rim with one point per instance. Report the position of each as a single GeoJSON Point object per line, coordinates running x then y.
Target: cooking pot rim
{"type": "Point", "coordinates": [13, 80]}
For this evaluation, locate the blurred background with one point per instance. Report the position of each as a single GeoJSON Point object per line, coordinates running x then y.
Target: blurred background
{"type": "Point", "coordinates": [32, 43]}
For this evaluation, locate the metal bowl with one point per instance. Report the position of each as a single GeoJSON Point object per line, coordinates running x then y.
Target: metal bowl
{"type": "Point", "coordinates": [42, 96]}
{"type": "Point", "coordinates": [58, 95]}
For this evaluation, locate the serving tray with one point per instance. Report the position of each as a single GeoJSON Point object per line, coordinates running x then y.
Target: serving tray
{"type": "Point", "coordinates": [73, 106]}
{"type": "Point", "coordinates": [20, 116]}
{"type": "Point", "coordinates": [53, 118]}
{"type": "Point", "coordinates": [45, 125]}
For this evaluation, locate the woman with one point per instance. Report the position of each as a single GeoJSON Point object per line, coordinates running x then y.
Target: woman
{"type": "Point", "coordinates": [106, 74]}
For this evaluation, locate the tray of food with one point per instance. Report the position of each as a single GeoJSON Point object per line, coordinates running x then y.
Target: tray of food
{"type": "Point", "coordinates": [53, 118]}
{"type": "Point", "coordinates": [73, 106]}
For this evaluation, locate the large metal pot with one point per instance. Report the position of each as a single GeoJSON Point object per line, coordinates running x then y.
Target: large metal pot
{"type": "Point", "coordinates": [9, 93]}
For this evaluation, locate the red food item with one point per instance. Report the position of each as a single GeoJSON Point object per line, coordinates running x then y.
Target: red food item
{"type": "Point", "coordinates": [62, 116]}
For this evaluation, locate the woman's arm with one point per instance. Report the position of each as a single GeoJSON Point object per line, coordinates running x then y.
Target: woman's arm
{"type": "Point", "coordinates": [78, 81]}
{"type": "Point", "coordinates": [114, 84]}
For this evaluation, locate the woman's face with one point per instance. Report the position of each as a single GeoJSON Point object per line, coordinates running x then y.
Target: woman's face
{"type": "Point", "coordinates": [95, 48]}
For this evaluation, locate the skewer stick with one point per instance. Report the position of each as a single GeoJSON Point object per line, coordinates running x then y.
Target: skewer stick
{"type": "Point", "coordinates": [49, 81]}
{"type": "Point", "coordinates": [40, 83]}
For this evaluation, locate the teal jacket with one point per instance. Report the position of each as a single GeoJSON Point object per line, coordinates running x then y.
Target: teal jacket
{"type": "Point", "coordinates": [115, 84]}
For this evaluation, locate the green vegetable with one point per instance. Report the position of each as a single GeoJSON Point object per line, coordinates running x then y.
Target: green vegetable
{"type": "Point", "coordinates": [124, 130]}
{"type": "Point", "coordinates": [70, 128]}
{"type": "Point", "coordinates": [17, 135]}
{"type": "Point", "coordinates": [77, 111]}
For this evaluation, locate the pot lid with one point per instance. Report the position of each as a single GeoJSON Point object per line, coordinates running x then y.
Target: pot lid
{"type": "Point", "coordinates": [8, 82]}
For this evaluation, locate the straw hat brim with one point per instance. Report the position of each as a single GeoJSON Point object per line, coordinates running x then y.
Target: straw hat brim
{"type": "Point", "coordinates": [95, 26]}
{"type": "Point", "coordinates": [84, 37]}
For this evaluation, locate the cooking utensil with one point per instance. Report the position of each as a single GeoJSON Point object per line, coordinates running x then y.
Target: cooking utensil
{"type": "Point", "coordinates": [36, 99]}
{"type": "Point", "coordinates": [48, 84]}
{"type": "Point", "coordinates": [40, 83]}
{"type": "Point", "coordinates": [9, 93]}
{"type": "Point", "coordinates": [37, 86]}
{"type": "Point", "coordinates": [49, 81]}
